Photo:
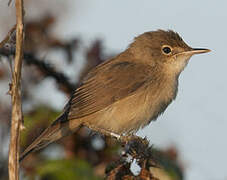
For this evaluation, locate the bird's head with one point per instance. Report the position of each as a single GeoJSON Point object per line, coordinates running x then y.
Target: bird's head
{"type": "Point", "coordinates": [164, 48]}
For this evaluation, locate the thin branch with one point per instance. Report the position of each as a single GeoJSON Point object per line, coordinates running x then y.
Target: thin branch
{"type": "Point", "coordinates": [8, 38]}
{"type": "Point", "coordinates": [47, 70]}
{"type": "Point", "coordinates": [9, 2]}
{"type": "Point", "coordinates": [13, 163]}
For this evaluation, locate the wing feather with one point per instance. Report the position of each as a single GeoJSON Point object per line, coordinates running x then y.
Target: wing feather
{"type": "Point", "coordinates": [107, 84]}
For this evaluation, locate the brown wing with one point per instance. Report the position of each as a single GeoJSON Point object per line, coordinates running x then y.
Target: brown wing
{"type": "Point", "coordinates": [107, 84]}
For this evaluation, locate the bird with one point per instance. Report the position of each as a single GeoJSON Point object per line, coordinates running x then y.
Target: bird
{"type": "Point", "coordinates": [125, 93]}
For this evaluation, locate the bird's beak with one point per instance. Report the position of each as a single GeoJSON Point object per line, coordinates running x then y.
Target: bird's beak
{"type": "Point", "coordinates": [197, 51]}
{"type": "Point", "coordinates": [192, 51]}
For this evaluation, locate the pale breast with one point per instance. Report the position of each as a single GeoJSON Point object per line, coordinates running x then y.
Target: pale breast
{"type": "Point", "coordinates": [135, 111]}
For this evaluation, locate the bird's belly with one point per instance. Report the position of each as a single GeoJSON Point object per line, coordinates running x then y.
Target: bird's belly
{"type": "Point", "coordinates": [126, 115]}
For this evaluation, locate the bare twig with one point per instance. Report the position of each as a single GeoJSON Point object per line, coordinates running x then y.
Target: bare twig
{"type": "Point", "coordinates": [9, 2]}
{"type": "Point", "coordinates": [8, 38]}
{"type": "Point", "coordinates": [47, 70]}
{"type": "Point", "coordinates": [13, 163]}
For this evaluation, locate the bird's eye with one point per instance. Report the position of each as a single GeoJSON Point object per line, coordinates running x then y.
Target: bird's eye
{"type": "Point", "coordinates": [166, 50]}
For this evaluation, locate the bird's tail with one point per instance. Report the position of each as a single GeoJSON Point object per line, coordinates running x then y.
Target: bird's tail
{"type": "Point", "coordinates": [58, 129]}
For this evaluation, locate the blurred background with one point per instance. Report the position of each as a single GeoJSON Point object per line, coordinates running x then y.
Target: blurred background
{"type": "Point", "coordinates": [64, 39]}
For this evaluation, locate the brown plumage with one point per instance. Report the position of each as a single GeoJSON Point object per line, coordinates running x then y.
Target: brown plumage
{"type": "Point", "coordinates": [125, 93]}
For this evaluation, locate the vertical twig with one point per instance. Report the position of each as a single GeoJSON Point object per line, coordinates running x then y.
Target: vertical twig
{"type": "Point", "coordinates": [16, 96]}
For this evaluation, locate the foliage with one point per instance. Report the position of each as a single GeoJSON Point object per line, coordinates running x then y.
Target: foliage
{"type": "Point", "coordinates": [65, 169]}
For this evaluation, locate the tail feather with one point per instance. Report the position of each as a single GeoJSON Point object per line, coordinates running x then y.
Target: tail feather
{"type": "Point", "coordinates": [58, 129]}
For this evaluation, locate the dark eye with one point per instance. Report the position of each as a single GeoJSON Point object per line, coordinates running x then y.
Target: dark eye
{"type": "Point", "coordinates": [166, 50]}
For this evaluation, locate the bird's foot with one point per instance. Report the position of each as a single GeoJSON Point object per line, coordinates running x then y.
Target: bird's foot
{"type": "Point", "coordinates": [135, 147]}
{"type": "Point", "coordinates": [133, 138]}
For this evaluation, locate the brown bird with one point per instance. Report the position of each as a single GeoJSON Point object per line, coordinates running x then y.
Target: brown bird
{"type": "Point", "coordinates": [127, 92]}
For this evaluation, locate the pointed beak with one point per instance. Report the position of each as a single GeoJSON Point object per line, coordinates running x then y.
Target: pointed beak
{"type": "Point", "coordinates": [198, 51]}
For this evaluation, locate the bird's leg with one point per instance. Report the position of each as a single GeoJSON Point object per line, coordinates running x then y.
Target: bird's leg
{"type": "Point", "coordinates": [123, 138]}
{"type": "Point", "coordinates": [105, 132]}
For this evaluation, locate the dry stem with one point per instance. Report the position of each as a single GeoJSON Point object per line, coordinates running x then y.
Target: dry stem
{"type": "Point", "coordinates": [16, 96]}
